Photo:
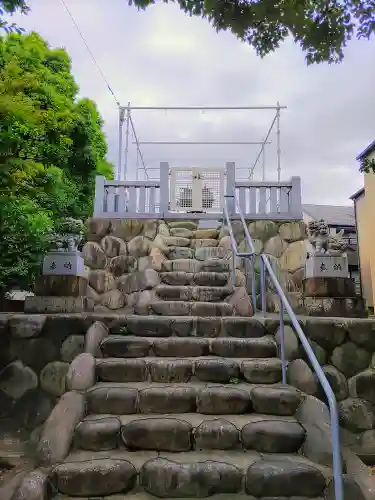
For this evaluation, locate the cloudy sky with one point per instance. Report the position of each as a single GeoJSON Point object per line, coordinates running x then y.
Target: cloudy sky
{"type": "Point", "coordinates": [163, 58]}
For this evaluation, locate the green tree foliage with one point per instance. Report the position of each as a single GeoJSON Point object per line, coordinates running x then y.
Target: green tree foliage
{"type": "Point", "coordinates": [51, 148]}
{"type": "Point", "coordinates": [321, 27]}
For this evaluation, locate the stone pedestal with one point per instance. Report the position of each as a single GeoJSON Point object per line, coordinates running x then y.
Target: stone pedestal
{"type": "Point", "coordinates": [328, 287]}
{"type": "Point", "coordinates": [328, 290]}
{"type": "Point", "coordinates": [62, 287]}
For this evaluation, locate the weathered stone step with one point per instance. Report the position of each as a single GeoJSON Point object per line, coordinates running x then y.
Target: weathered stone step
{"type": "Point", "coordinates": [192, 326]}
{"type": "Point", "coordinates": [180, 278]}
{"type": "Point", "coordinates": [195, 266]}
{"type": "Point", "coordinates": [196, 293]}
{"type": "Point", "coordinates": [129, 346]}
{"type": "Point", "coordinates": [196, 474]}
{"type": "Point", "coordinates": [211, 399]}
{"type": "Point", "coordinates": [204, 369]}
{"type": "Point", "coordinates": [186, 432]}
{"type": "Point", "coordinates": [183, 308]}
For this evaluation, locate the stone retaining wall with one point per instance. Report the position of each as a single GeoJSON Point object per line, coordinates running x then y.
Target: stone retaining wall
{"type": "Point", "coordinates": [117, 249]}
{"type": "Point", "coordinates": [36, 351]}
{"type": "Point", "coordinates": [346, 351]}
{"type": "Point", "coordinates": [35, 354]}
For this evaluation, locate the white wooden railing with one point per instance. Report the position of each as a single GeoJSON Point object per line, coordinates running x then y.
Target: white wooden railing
{"type": "Point", "coordinates": [151, 199]}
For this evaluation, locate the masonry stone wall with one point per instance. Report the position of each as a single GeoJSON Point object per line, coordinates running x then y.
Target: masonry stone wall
{"type": "Point", "coordinates": [35, 353]}
{"type": "Point", "coordinates": [124, 257]}
{"type": "Point", "coordinates": [345, 348]}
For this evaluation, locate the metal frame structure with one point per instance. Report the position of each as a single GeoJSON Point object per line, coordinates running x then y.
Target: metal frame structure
{"type": "Point", "coordinates": [125, 117]}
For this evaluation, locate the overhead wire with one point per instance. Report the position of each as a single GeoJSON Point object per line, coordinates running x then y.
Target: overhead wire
{"type": "Point", "coordinates": [103, 77]}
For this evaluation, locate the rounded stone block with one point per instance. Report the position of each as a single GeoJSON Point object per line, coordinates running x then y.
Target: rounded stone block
{"type": "Point", "coordinates": [223, 401]}
{"type": "Point", "coordinates": [125, 347]}
{"type": "Point", "coordinates": [356, 414]}
{"type": "Point", "coordinates": [262, 371]}
{"type": "Point", "coordinates": [32, 486]}
{"type": "Point", "coordinates": [180, 347]}
{"type": "Point", "coordinates": [94, 477]}
{"type": "Point", "coordinates": [206, 278]}
{"type": "Point", "coordinates": [301, 376]}
{"type": "Point", "coordinates": [98, 435]}
{"type": "Point", "coordinates": [276, 400]}
{"type": "Point", "coordinates": [363, 385]}
{"type": "Point", "coordinates": [165, 478]}
{"type": "Point", "coordinates": [25, 327]}
{"type": "Point", "coordinates": [350, 359]}
{"type": "Point", "coordinates": [264, 347]}
{"type": "Point", "coordinates": [160, 434]}
{"type": "Point", "coordinates": [53, 377]}
{"type": "Point", "coordinates": [121, 370]}
{"type": "Point", "coordinates": [216, 370]}
{"type": "Point", "coordinates": [273, 436]}
{"type": "Point", "coordinates": [337, 381]}
{"type": "Point", "coordinates": [203, 243]}
{"type": "Point", "coordinates": [58, 432]}
{"type": "Point", "coordinates": [218, 434]}
{"type": "Point", "coordinates": [170, 370]}
{"type": "Point", "coordinates": [81, 373]}
{"type": "Point", "coordinates": [72, 347]}
{"type": "Point", "coordinates": [112, 400]}
{"type": "Point", "coordinates": [167, 400]}
{"type": "Point", "coordinates": [267, 478]}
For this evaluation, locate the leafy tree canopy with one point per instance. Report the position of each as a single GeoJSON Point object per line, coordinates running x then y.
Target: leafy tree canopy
{"type": "Point", "coordinates": [321, 27]}
{"type": "Point", "coordinates": [51, 148]}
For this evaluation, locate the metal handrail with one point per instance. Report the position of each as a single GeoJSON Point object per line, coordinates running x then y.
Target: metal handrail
{"type": "Point", "coordinates": [284, 304]}
{"type": "Point", "coordinates": [235, 253]}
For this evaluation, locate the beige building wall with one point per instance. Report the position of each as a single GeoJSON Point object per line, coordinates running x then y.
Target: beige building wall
{"type": "Point", "coordinates": [365, 215]}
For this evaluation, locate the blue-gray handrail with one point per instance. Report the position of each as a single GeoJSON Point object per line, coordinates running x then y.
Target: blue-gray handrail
{"type": "Point", "coordinates": [265, 267]}
{"type": "Point", "coordinates": [250, 255]}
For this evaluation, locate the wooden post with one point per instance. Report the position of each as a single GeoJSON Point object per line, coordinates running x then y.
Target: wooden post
{"type": "Point", "coordinates": [296, 198]}
{"type": "Point", "coordinates": [99, 196]}
{"type": "Point", "coordinates": [164, 188]}
{"type": "Point", "coordinates": [231, 187]}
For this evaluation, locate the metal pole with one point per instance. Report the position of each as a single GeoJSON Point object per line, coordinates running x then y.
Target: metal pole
{"type": "Point", "coordinates": [263, 144]}
{"type": "Point", "coordinates": [278, 142]}
{"type": "Point", "coordinates": [282, 339]}
{"type": "Point", "coordinates": [120, 127]}
{"type": "Point", "coordinates": [203, 108]}
{"type": "Point", "coordinates": [201, 143]}
{"type": "Point", "coordinates": [127, 141]}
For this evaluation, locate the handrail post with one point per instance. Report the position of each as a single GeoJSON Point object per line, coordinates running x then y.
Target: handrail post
{"type": "Point", "coordinates": [99, 195]}
{"type": "Point", "coordinates": [231, 187]}
{"type": "Point", "coordinates": [282, 340]}
{"type": "Point", "coordinates": [164, 188]}
{"type": "Point", "coordinates": [263, 286]}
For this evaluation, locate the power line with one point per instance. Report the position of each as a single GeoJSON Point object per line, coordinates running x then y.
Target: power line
{"type": "Point", "coordinates": [90, 52]}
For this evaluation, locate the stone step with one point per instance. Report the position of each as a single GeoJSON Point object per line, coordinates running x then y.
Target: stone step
{"type": "Point", "coordinates": [186, 432]}
{"type": "Point", "coordinates": [189, 265]}
{"type": "Point", "coordinates": [180, 278]}
{"type": "Point", "coordinates": [204, 369]}
{"type": "Point", "coordinates": [196, 293]}
{"type": "Point", "coordinates": [191, 326]}
{"type": "Point", "coordinates": [181, 253]}
{"type": "Point", "coordinates": [210, 399]}
{"type": "Point", "coordinates": [129, 346]}
{"type": "Point", "coordinates": [185, 475]}
{"type": "Point", "coordinates": [184, 308]}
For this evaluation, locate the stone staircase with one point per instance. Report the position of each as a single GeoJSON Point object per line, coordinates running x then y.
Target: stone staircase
{"type": "Point", "coordinates": [196, 278]}
{"type": "Point", "coordinates": [179, 413]}
{"type": "Point", "coordinates": [185, 402]}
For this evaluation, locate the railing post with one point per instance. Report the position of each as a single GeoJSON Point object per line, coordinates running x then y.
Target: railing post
{"type": "Point", "coordinates": [99, 195]}
{"type": "Point", "coordinates": [231, 186]}
{"type": "Point", "coordinates": [164, 187]}
{"type": "Point", "coordinates": [295, 206]}
{"type": "Point", "coordinates": [282, 340]}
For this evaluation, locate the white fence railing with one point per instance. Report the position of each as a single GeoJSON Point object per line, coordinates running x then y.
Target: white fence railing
{"type": "Point", "coordinates": [153, 199]}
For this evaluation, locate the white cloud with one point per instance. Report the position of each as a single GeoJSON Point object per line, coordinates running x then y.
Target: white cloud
{"type": "Point", "coordinates": [163, 57]}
